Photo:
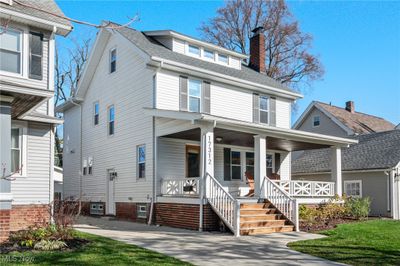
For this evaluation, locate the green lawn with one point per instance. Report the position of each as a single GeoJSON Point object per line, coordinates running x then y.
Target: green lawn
{"type": "Point", "coordinates": [374, 242]}
{"type": "Point", "coordinates": [100, 251]}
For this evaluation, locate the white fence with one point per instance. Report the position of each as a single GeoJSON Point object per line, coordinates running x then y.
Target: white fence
{"type": "Point", "coordinates": [299, 188]}
{"type": "Point", "coordinates": [180, 186]}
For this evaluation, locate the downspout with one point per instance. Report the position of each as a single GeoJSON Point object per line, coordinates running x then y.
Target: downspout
{"type": "Point", "coordinates": [80, 155]}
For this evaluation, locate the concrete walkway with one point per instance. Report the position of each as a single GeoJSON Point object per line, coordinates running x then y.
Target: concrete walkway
{"type": "Point", "coordinates": [206, 248]}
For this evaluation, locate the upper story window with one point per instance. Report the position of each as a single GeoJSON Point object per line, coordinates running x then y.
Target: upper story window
{"type": "Point", "coordinates": [15, 150]}
{"type": "Point", "coordinates": [96, 113]}
{"type": "Point", "coordinates": [208, 54]}
{"type": "Point", "coordinates": [194, 50]}
{"type": "Point", "coordinates": [353, 188]}
{"type": "Point", "coordinates": [35, 55]}
{"type": "Point", "coordinates": [10, 50]}
{"type": "Point", "coordinates": [223, 58]}
{"type": "Point", "coordinates": [111, 120]}
{"type": "Point", "coordinates": [141, 161]}
{"type": "Point", "coordinates": [194, 95]}
{"type": "Point", "coordinates": [264, 109]}
{"type": "Point", "coordinates": [113, 60]}
{"type": "Point", "coordinates": [316, 121]}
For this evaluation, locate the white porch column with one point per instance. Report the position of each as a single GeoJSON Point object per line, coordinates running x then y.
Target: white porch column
{"type": "Point", "coordinates": [336, 169]}
{"type": "Point", "coordinates": [260, 162]}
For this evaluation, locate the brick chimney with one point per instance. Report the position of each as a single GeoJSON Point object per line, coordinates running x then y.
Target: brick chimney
{"type": "Point", "coordinates": [350, 106]}
{"type": "Point", "coordinates": [257, 50]}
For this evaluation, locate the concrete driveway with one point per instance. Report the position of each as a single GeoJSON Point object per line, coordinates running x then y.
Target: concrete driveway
{"type": "Point", "coordinates": [205, 248]}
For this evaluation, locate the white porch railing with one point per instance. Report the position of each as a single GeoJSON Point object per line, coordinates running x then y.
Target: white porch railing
{"type": "Point", "coordinates": [180, 186]}
{"type": "Point", "coordinates": [281, 199]}
{"type": "Point", "coordinates": [299, 188]}
{"type": "Point", "coordinates": [227, 207]}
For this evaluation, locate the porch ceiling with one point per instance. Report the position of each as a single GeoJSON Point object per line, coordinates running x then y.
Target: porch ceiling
{"type": "Point", "coordinates": [231, 137]}
{"type": "Point", "coordinates": [22, 103]}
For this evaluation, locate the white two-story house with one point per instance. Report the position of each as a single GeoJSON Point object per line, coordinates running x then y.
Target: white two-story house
{"type": "Point", "coordinates": [27, 49]}
{"type": "Point", "coordinates": [168, 129]}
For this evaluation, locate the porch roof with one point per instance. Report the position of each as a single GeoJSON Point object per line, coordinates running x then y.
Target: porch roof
{"type": "Point", "coordinates": [284, 138]}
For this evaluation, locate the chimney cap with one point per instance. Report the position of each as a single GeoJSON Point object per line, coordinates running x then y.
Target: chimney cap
{"type": "Point", "coordinates": [258, 30]}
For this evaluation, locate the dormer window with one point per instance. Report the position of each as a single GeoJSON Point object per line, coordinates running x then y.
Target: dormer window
{"type": "Point", "coordinates": [194, 50]}
{"type": "Point", "coordinates": [10, 50]}
{"type": "Point", "coordinates": [208, 54]}
{"type": "Point", "coordinates": [223, 58]}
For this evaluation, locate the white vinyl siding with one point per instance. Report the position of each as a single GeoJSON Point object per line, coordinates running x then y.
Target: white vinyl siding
{"type": "Point", "coordinates": [178, 46]}
{"type": "Point", "coordinates": [283, 113]}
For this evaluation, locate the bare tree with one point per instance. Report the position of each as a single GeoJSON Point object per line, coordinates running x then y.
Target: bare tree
{"type": "Point", "coordinates": [67, 77]}
{"type": "Point", "coordinates": [288, 56]}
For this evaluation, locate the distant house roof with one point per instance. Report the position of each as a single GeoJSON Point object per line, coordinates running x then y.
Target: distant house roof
{"type": "Point", "coordinates": [153, 48]}
{"type": "Point", "coordinates": [41, 9]}
{"type": "Point", "coordinates": [354, 122]}
{"type": "Point", "coordinates": [374, 151]}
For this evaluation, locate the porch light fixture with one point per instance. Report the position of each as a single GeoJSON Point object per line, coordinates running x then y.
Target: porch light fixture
{"type": "Point", "coordinates": [218, 139]}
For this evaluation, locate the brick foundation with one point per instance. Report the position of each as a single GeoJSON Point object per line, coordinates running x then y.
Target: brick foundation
{"type": "Point", "coordinates": [4, 224]}
{"type": "Point", "coordinates": [186, 216]}
{"type": "Point", "coordinates": [128, 211]}
{"type": "Point", "coordinates": [23, 216]}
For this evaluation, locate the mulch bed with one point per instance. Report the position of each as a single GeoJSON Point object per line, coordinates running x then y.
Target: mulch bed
{"type": "Point", "coordinates": [324, 225]}
{"type": "Point", "coordinates": [72, 244]}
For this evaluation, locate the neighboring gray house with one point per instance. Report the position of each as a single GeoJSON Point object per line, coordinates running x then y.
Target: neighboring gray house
{"type": "Point", "coordinates": [371, 168]}
{"type": "Point", "coordinates": [166, 124]}
{"type": "Point", "coordinates": [27, 49]}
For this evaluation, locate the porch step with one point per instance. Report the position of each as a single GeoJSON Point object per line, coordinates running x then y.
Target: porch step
{"type": "Point", "coordinates": [254, 205]}
{"type": "Point", "coordinates": [248, 211]}
{"type": "Point", "coordinates": [266, 230]}
{"type": "Point", "coordinates": [260, 217]}
{"type": "Point", "coordinates": [262, 223]}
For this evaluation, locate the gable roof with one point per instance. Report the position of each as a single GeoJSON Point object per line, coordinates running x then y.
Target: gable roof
{"type": "Point", "coordinates": [353, 123]}
{"type": "Point", "coordinates": [39, 9]}
{"type": "Point", "coordinates": [153, 48]}
{"type": "Point", "coordinates": [373, 151]}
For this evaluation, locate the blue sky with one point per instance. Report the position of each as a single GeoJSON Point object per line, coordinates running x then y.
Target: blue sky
{"type": "Point", "coordinates": [358, 43]}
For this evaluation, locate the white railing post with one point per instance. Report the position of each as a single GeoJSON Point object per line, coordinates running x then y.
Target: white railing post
{"type": "Point", "coordinates": [237, 218]}
{"type": "Point", "coordinates": [296, 214]}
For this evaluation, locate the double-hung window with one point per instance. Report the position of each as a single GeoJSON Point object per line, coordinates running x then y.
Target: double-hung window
{"type": "Point", "coordinates": [35, 55]}
{"type": "Point", "coordinates": [15, 150]}
{"type": "Point", "coordinates": [353, 188]}
{"type": "Point", "coordinates": [264, 109]}
{"type": "Point", "coordinates": [111, 120]}
{"type": "Point", "coordinates": [236, 167]}
{"type": "Point", "coordinates": [194, 95]}
{"type": "Point", "coordinates": [96, 113]}
{"type": "Point", "coordinates": [316, 121]}
{"type": "Point", "coordinates": [113, 60]}
{"type": "Point", "coordinates": [141, 161]}
{"type": "Point", "coordinates": [10, 50]}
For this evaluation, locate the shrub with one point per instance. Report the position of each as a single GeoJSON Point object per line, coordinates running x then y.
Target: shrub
{"type": "Point", "coordinates": [50, 245]}
{"type": "Point", "coordinates": [358, 208]}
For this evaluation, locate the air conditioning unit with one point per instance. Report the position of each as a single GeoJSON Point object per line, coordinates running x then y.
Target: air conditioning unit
{"type": "Point", "coordinates": [96, 208]}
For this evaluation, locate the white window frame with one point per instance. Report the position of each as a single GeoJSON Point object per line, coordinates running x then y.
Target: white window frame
{"type": "Point", "coordinates": [22, 52]}
{"type": "Point", "coordinates": [198, 97]}
{"type": "Point", "coordinates": [240, 164]}
{"type": "Point", "coordinates": [346, 182]}
{"type": "Point", "coordinates": [94, 113]}
{"type": "Point", "coordinates": [138, 162]}
{"type": "Point", "coordinates": [112, 106]}
{"type": "Point", "coordinates": [208, 58]}
{"type": "Point", "coordinates": [314, 120]}
{"type": "Point", "coordinates": [223, 62]}
{"type": "Point", "coordinates": [264, 110]}
{"type": "Point", "coordinates": [23, 133]}
{"type": "Point", "coordinates": [140, 209]}
{"type": "Point", "coordinates": [191, 53]}
{"type": "Point", "coordinates": [110, 59]}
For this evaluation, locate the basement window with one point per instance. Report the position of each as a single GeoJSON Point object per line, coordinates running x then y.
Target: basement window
{"type": "Point", "coordinates": [141, 211]}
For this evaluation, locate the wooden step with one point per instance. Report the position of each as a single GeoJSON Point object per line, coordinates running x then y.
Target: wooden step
{"type": "Point", "coordinates": [249, 211]}
{"type": "Point", "coordinates": [266, 230]}
{"type": "Point", "coordinates": [254, 205]}
{"type": "Point", "coordinates": [260, 217]}
{"type": "Point", "coordinates": [262, 223]}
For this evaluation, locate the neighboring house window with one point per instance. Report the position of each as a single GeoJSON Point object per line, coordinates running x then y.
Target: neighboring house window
{"type": "Point", "coordinates": [236, 168]}
{"type": "Point", "coordinates": [35, 55]}
{"type": "Point", "coordinates": [10, 50]}
{"type": "Point", "coordinates": [15, 150]}
{"type": "Point", "coordinates": [194, 50]}
{"type": "Point", "coordinates": [270, 164]}
{"type": "Point", "coordinates": [250, 163]}
{"type": "Point", "coordinates": [111, 120]}
{"type": "Point", "coordinates": [84, 170]}
{"type": "Point", "coordinates": [264, 109]}
{"type": "Point", "coordinates": [194, 95]}
{"type": "Point", "coordinates": [141, 160]}
{"type": "Point", "coordinates": [316, 121]}
{"type": "Point", "coordinates": [223, 58]}
{"type": "Point", "coordinates": [353, 188]}
{"type": "Point", "coordinates": [90, 166]}
{"type": "Point", "coordinates": [96, 113]}
{"type": "Point", "coordinates": [113, 60]}
{"type": "Point", "coordinates": [208, 54]}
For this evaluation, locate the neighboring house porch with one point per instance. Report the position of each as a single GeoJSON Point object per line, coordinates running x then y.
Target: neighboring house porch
{"type": "Point", "coordinates": [205, 158]}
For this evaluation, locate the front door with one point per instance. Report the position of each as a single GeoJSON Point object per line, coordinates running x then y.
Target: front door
{"type": "Point", "coordinates": [192, 161]}
{"type": "Point", "coordinates": [111, 174]}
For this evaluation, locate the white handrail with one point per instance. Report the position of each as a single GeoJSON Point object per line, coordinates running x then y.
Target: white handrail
{"type": "Point", "coordinates": [281, 199]}
{"type": "Point", "coordinates": [304, 188]}
{"type": "Point", "coordinates": [227, 207]}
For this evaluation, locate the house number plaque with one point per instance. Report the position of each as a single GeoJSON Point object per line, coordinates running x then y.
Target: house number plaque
{"type": "Point", "coordinates": [209, 150]}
